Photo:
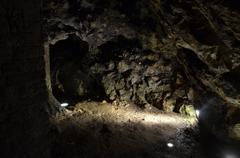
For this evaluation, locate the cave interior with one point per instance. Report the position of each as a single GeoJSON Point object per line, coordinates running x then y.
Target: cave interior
{"type": "Point", "coordinates": [120, 79]}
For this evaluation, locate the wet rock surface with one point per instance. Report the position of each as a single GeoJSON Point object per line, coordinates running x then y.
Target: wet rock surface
{"type": "Point", "coordinates": [170, 54]}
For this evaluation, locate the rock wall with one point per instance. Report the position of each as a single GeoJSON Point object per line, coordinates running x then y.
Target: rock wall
{"type": "Point", "coordinates": [168, 53]}
{"type": "Point", "coordinates": [24, 123]}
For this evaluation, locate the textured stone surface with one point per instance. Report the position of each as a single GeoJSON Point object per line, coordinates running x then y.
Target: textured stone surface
{"type": "Point", "coordinates": [195, 44]}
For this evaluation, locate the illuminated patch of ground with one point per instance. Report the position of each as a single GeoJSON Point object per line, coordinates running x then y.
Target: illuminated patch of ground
{"type": "Point", "coordinates": [105, 130]}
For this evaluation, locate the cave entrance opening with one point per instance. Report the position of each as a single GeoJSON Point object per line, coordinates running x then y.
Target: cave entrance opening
{"type": "Point", "coordinates": [71, 81]}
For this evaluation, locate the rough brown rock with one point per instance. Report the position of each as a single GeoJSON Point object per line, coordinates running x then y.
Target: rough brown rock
{"type": "Point", "coordinates": [154, 51]}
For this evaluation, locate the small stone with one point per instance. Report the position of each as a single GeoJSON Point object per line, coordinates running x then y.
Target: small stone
{"type": "Point", "coordinates": [180, 93]}
{"type": "Point", "coordinates": [127, 105]}
{"type": "Point", "coordinates": [123, 67]}
{"type": "Point", "coordinates": [190, 94]}
{"type": "Point", "coordinates": [90, 112]}
{"type": "Point", "coordinates": [187, 110]}
{"type": "Point", "coordinates": [169, 105]}
{"type": "Point", "coordinates": [111, 65]}
{"type": "Point", "coordinates": [115, 103]}
{"type": "Point", "coordinates": [235, 131]}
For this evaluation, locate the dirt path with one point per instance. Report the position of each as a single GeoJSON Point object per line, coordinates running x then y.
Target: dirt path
{"type": "Point", "coordinates": [105, 130]}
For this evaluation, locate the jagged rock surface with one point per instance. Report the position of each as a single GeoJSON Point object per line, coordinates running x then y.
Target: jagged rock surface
{"type": "Point", "coordinates": [169, 53]}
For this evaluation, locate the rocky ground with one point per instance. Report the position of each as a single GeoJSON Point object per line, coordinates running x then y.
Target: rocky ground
{"type": "Point", "coordinates": [120, 130]}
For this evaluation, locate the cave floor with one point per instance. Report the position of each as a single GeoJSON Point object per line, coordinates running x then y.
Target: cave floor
{"type": "Point", "coordinates": [94, 129]}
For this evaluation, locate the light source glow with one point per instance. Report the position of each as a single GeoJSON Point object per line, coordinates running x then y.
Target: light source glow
{"type": "Point", "coordinates": [64, 104]}
{"type": "Point", "coordinates": [230, 156]}
{"type": "Point", "coordinates": [197, 113]}
{"type": "Point", "coordinates": [170, 145]}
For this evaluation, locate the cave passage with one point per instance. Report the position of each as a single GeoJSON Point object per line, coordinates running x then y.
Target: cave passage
{"type": "Point", "coordinates": [120, 79]}
{"type": "Point", "coordinates": [117, 102]}
{"type": "Point", "coordinates": [113, 102]}
{"type": "Point", "coordinates": [144, 79]}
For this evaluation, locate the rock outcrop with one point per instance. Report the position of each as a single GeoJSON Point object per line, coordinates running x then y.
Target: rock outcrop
{"type": "Point", "coordinates": [172, 54]}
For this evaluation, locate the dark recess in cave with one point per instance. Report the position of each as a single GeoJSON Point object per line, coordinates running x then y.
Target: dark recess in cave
{"type": "Point", "coordinates": [69, 59]}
